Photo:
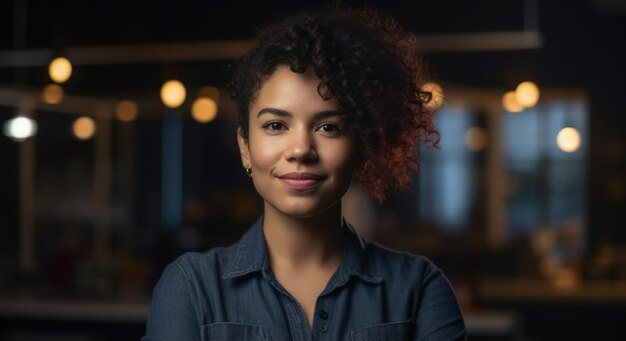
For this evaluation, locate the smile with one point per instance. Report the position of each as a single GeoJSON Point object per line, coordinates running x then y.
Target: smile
{"type": "Point", "coordinates": [301, 181]}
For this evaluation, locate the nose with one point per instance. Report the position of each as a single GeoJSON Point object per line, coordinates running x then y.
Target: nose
{"type": "Point", "coordinates": [301, 147]}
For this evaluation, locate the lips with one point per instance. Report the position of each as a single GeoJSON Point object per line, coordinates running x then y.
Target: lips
{"type": "Point", "coordinates": [301, 181]}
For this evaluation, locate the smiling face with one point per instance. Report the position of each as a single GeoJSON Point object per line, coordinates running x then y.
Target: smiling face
{"type": "Point", "coordinates": [297, 148]}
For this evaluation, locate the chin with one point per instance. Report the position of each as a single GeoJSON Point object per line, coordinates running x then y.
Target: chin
{"type": "Point", "coordinates": [301, 208]}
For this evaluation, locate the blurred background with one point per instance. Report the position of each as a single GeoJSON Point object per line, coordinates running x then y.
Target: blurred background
{"type": "Point", "coordinates": [118, 154]}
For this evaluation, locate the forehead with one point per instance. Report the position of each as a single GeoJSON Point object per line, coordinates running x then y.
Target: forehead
{"type": "Point", "coordinates": [288, 90]}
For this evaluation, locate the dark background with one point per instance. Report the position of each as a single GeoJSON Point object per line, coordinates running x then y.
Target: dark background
{"type": "Point", "coordinates": [583, 49]}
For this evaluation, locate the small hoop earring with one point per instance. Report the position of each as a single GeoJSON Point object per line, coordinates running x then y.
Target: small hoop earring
{"type": "Point", "coordinates": [249, 172]}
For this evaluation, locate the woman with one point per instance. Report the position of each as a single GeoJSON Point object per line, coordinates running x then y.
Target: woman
{"type": "Point", "coordinates": [324, 96]}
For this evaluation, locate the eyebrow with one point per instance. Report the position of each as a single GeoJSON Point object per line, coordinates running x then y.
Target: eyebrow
{"type": "Point", "coordinates": [285, 113]}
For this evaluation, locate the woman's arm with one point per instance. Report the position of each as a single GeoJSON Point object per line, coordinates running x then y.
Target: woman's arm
{"type": "Point", "coordinates": [172, 313]}
{"type": "Point", "coordinates": [438, 316]}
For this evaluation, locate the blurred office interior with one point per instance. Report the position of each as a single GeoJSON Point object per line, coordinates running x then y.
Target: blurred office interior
{"type": "Point", "coordinates": [118, 154]}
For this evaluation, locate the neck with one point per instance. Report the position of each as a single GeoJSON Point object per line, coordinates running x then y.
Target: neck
{"type": "Point", "coordinates": [303, 242]}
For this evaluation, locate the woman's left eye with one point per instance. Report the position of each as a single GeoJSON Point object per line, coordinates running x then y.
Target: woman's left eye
{"type": "Point", "coordinates": [329, 128]}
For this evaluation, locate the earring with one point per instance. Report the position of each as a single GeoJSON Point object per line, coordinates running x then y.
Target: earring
{"type": "Point", "coordinates": [249, 172]}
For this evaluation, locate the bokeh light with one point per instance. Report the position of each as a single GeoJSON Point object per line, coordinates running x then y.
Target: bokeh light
{"type": "Point", "coordinates": [568, 139]}
{"type": "Point", "coordinates": [84, 128]}
{"type": "Point", "coordinates": [510, 104]}
{"type": "Point", "coordinates": [204, 110]}
{"type": "Point", "coordinates": [527, 94]}
{"type": "Point", "coordinates": [52, 94]}
{"type": "Point", "coordinates": [173, 94]}
{"type": "Point", "coordinates": [437, 95]}
{"type": "Point", "coordinates": [126, 111]}
{"type": "Point", "coordinates": [20, 128]}
{"type": "Point", "coordinates": [210, 92]}
{"type": "Point", "coordinates": [476, 139]}
{"type": "Point", "coordinates": [60, 70]}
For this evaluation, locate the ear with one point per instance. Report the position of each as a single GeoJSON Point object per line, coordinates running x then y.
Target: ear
{"type": "Point", "coordinates": [244, 151]}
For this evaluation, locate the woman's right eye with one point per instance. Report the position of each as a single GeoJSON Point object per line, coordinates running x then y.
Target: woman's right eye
{"type": "Point", "coordinates": [274, 126]}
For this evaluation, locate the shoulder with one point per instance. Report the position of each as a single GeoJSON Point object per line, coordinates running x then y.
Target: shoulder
{"type": "Point", "coordinates": [193, 265]}
{"type": "Point", "coordinates": [400, 262]}
{"type": "Point", "coordinates": [409, 272]}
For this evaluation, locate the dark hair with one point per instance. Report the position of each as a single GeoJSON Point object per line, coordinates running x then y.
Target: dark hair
{"type": "Point", "coordinates": [369, 64]}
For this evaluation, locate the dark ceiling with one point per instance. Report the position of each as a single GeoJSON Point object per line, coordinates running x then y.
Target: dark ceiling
{"type": "Point", "coordinates": [584, 40]}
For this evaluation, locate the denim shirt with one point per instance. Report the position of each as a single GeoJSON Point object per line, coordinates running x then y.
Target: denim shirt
{"type": "Point", "coordinates": [230, 293]}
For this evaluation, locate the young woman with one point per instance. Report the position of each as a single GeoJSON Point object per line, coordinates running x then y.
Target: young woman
{"type": "Point", "coordinates": [324, 97]}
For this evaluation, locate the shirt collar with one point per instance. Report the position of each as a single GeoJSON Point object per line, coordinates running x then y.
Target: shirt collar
{"type": "Point", "coordinates": [250, 255]}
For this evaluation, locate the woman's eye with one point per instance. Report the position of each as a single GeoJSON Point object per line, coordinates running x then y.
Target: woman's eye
{"type": "Point", "coordinates": [274, 126]}
{"type": "Point", "coordinates": [330, 128]}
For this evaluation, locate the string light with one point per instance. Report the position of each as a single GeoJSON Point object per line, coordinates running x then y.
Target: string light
{"type": "Point", "coordinates": [437, 96]}
{"type": "Point", "coordinates": [527, 94]}
{"type": "Point", "coordinates": [60, 70]}
{"type": "Point", "coordinates": [173, 94]}
{"type": "Point", "coordinates": [20, 128]}
{"type": "Point", "coordinates": [204, 110]}
{"type": "Point", "coordinates": [126, 111]}
{"type": "Point", "coordinates": [210, 92]}
{"type": "Point", "coordinates": [510, 104]}
{"type": "Point", "coordinates": [476, 139]}
{"type": "Point", "coordinates": [568, 139]}
{"type": "Point", "coordinates": [84, 128]}
{"type": "Point", "coordinates": [52, 94]}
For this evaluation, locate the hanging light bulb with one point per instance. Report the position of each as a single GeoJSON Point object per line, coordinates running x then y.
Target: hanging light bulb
{"type": "Point", "coordinates": [527, 94]}
{"type": "Point", "coordinates": [60, 70]}
{"type": "Point", "coordinates": [20, 128]}
{"type": "Point", "coordinates": [173, 94]}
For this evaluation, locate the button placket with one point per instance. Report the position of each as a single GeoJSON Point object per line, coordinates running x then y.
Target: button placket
{"type": "Point", "coordinates": [322, 323]}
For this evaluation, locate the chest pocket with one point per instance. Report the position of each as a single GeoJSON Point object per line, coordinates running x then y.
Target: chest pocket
{"type": "Point", "coordinates": [234, 331]}
{"type": "Point", "coordinates": [385, 331]}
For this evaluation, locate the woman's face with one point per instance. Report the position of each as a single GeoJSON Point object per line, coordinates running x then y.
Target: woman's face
{"type": "Point", "coordinates": [297, 148]}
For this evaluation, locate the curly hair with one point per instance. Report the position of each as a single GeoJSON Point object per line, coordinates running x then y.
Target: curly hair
{"type": "Point", "coordinates": [369, 64]}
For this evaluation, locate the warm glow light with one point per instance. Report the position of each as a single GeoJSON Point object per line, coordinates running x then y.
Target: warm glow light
{"type": "Point", "coordinates": [527, 94]}
{"type": "Point", "coordinates": [437, 95]}
{"type": "Point", "coordinates": [568, 139]}
{"type": "Point", "coordinates": [210, 92]}
{"type": "Point", "coordinates": [173, 94]}
{"type": "Point", "coordinates": [126, 111]}
{"type": "Point", "coordinates": [60, 70]}
{"type": "Point", "coordinates": [20, 128]}
{"type": "Point", "coordinates": [52, 94]}
{"type": "Point", "coordinates": [510, 104]}
{"type": "Point", "coordinates": [476, 139]}
{"type": "Point", "coordinates": [204, 110]}
{"type": "Point", "coordinates": [84, 128]}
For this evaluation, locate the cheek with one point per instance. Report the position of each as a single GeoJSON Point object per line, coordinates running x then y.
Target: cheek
{"type": "Point", "coordinates": [339, 157]}
{"type": "Point", "coordinates": [264, 153]}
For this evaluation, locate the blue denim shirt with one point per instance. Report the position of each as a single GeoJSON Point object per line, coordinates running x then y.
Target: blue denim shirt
{"type": "Point", "coordinates": [230, 293]}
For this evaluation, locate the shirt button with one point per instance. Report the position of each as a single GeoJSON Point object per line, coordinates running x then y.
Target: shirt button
{"type": "Point", "coordinates": [323, 328]}
{"type": "Point", "coordinates": [323, 314]}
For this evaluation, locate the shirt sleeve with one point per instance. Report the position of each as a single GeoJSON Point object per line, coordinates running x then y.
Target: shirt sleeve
{"type": "Point", "coordinates": [438, 316]}
{"type": "Point", "coordinates": [172, 314]}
